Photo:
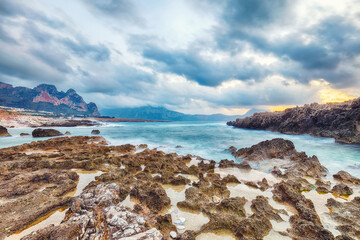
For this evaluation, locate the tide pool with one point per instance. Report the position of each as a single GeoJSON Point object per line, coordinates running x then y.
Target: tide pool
{"type": "Point", "coordinates": [206, 139]}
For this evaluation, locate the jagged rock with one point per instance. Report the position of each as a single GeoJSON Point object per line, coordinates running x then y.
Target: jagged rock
{"type": "Point", "coordinates": [230, 179]}
{"type": "Point", "coordinates": [275, 148]}
{"type": "Point", "coordinates": [4, 132]}
{"type": "Point", "coordinates": [95, 131]}
{"type": "Point", "coordinates": [154, 196]}
{"type": "Point", "coordinates": [336, 120]}
{"type": "Point", "coordinates": [322, 189]}
{"type": "Point", "coordinates": [254, 227]}
{"type": "Point", "coordinates": [306, 222]}
{"type": "Point", "coordinates": [342, 189]}
{"type": "Point", "coordinates": [231, 149]}
{"type": "Point", "coordinates": [347, 214]}
{"type": "Point", "coordinates": [299, 164]}
{"type": "Point", "coordinates": [261, 206]}
{"type": "Point", "coordinates": [346, 178]}
{"type": "Point", "coordinates": [244, 165]}
{"type": "Point", "coordinates": [263, 184]}
{"type": "Point", "coordinates": [40, 132]}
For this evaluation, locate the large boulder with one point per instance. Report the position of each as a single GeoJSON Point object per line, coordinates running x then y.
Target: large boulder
{"type": "Point", "coordinates": [40, 132]}
{"type": "Point", "coordinates": [346, 178]}
{"type": "Point", "coordinates": [4, 132]}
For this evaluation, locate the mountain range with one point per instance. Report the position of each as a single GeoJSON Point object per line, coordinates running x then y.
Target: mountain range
{"type": "Point", "coordinates": [164, 114]}
{"type": "Point", "coordinates": [46, 98]}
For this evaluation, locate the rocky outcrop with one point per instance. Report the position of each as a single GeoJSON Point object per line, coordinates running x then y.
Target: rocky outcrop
{"type": "Point", "coordinates": [40, 132]}
{"type": "Point", "coordinates": [335, 120]}
{"type": "Point", "coordinates": [298, 164]}
{"type": "Point", "coordinates": [46, 98]}
{"type": "Point", "coordinates": [4, 132]}
{"type": "Point", "coordinates": [346, 178]}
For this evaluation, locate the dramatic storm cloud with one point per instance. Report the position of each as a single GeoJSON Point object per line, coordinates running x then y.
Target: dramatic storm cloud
{"type": "Point", "coordinates": [194, 56]}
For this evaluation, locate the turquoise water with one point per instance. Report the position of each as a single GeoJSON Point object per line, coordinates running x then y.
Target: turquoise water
{"type": "Point", "coordinates": [209, 140]}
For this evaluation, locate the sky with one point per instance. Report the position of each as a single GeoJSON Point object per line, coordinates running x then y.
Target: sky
{"type": "Point", "coordinates": [192, 56]}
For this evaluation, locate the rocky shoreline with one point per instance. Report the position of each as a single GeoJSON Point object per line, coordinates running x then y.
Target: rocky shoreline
{"type": "Point", "coordinates": [334, 120]}
{"type": "Point", "coordinates": [148, 194]}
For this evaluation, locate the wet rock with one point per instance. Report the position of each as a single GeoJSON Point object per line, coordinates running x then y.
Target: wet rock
{"type": "Point", "coordinates": [342, 189]}
{"type": "Point", "coordinates": [187, 235]}
{"type": "Point", "coordinates": [142, 146]}
{"type": "Point", "coordinates": [24, 134]}
{"type": "Point", "coordinates": [254, 227]}
{"type": "Point", "coordinates": [165, 225]}
{"type": "Point", "coordinates": [306, 222]}
{"type": "Point", "coordinates": [225, 163]}
{"type": "Point", "coordinates": [347, 214]}
{"type": "Point", "coordinates": [231, 149]}
{"type": "Point", "coordinates": [298, 165]}
{"type": "Point", "coordinates": [207, 167]}
{"type": "Point", "coordinates": [96, 214]}
{"type": "Point", "coordinates": [251, 184]}
{"type": "Point", "coordinates": [346, 178]}
{"type": "Point", "coordinates": [40, 132]}
{"type": "Point", "coordinates": [263, 184]}
{"type": "Point", "coordinates": [261, 206]}
{"type": "Point", "coordinates": [4, 132]}
{"type": "Point", "coordinates": [275, 148]}
{"type": "Point", "coordinates": [229, 214]}
{"type": "Point", "coordinates": [322, 183]}
{"type": "Point", "coordinates": [95, 131]}
{"type": "Point", "coordinates": [244, 165]}
{"type": "Point", "coordinates": [154, 196]}
{"type": "Point", "coordinates": [322, 189]}
{"type": "Point", "coordinates": [67, 133]}
{"type": "Point", "coordinates": [179, 146]}
{"type": "Point", "coordinates": [230, 179]}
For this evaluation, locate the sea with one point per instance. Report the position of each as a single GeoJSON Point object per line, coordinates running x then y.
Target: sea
{"type": "Point", "coordinates": [207, 140]}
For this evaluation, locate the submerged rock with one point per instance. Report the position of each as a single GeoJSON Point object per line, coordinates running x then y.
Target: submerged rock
{"type": "Point", "coordinates": [95, 131]}
{"type": "Point", "coordinates": [40, 132]}
{"type": "Point", "coordinates": [24, 134]}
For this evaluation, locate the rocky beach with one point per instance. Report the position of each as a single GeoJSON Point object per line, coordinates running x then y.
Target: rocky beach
{"type": "Point", "coordinates": [271, 191]}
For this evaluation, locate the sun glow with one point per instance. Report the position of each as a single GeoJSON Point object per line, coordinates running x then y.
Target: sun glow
{"type": "Point", "coordinates": [280, 108]}
{"type": "Point", "coordinates": [331, 95]}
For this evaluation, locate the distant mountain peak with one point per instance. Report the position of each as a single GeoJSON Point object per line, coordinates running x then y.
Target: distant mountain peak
{"type": "Point", "coordinates": [46, 97]}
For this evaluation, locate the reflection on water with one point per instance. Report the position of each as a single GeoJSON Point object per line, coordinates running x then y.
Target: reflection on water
{"type": "Point", "coordinates": [55, 217]}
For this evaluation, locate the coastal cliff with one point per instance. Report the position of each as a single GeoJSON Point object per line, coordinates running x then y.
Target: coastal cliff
{"type": "Point", "coordinates": [335, 120]}
{"type": "Point", "coordinates": [46, 98]}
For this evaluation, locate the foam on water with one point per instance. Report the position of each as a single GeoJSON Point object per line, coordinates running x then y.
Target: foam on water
{"type": "Point", "coordinates": [208, 140]}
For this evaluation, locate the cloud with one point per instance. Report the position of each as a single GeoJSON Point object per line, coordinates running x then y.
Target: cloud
{"type": "Point", "coordinates": [82, 48]}
{"type": "Point", "coordinates": [124, 10]}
